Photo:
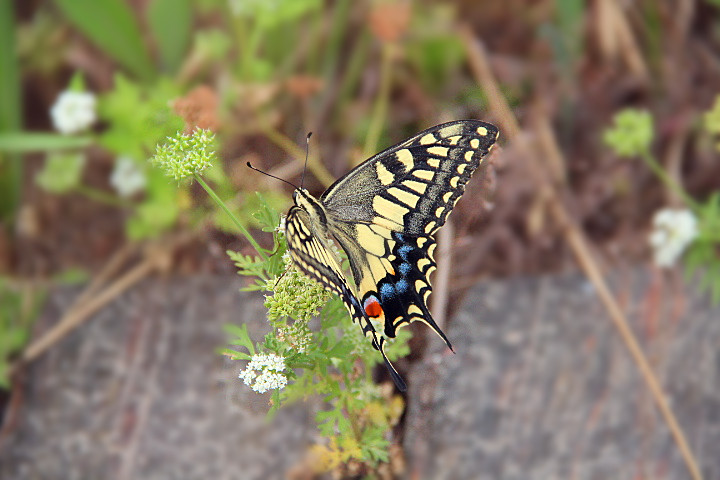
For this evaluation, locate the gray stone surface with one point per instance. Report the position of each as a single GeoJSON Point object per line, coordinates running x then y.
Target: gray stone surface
{"type": "Point", "coordinates": [542, 387]}
{"type": "Point", "coordinates": [139, 393]}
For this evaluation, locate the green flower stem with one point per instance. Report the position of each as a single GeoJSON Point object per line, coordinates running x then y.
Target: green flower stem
{"type": "Point", "coordinates": [235, 220]}
{"type": "Point", "coordinates": [668, 181]}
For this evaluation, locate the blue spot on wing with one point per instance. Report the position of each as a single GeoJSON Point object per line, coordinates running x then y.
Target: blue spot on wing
{"type": "Point", "coordinates": [402, 286]}
{"type": "Point", "coordinates": [404, 251]}
{"type": "Point", "coordinates": [405, 268]}
{"type": "Point", "coordinates": [387, 291]}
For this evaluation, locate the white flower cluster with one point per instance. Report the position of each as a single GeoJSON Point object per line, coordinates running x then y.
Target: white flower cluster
{"type": "Point", "coordinates": [73, 112]}
{"type": "Point", "coordinates": [265, 370]}
{"type": "Point", "coordinates": [127, 177]}
{"type": "Point", "coordinates": [673, 231]}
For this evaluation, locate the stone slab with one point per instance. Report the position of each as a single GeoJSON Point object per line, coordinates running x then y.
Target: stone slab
{"type": "Point", "coordinates": [541, 386]}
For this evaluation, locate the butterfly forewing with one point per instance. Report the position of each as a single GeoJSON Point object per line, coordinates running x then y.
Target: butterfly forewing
{"type": "Point", "coordinates": [384, 214]}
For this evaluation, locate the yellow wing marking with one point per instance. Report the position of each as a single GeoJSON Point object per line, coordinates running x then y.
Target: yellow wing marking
{"type": "Point", "coordinates": [406, 158]}
{"type": "Point", "coordinates": [370, 241]}
{"type": "Point", "coordinates": [424, 174]}
{"type": "Point", "coordinates": [403, 196]}
{"type": "Point", "coordinates": [383, 174]}
{"type": "Point", "coordinates": [428, 139]}
{"type": "Point", "coordinates": [439, 151]}
{"type": "Point", "coordinates": [419, 187]}
{"type": "Point", "coordinates": [389, 210]}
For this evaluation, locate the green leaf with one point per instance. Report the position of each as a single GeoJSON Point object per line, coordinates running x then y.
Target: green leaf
{"type": "Point", "coordinates": [159, 210]}
{"type": "Point", "coordinates": [25, 142]}
{"type": "Point", "coordinates": [110, 25]}
{"type": "Point", "coordinates": [242, 337]}
{"type": "Point", "coordinates": [11, 168]}
{"type": "Point", "coordinates": [170, 22]}
{"type": "Point", "coordinates": [62, 172]}
{"type": "Point", "coordinates": [139, 116]}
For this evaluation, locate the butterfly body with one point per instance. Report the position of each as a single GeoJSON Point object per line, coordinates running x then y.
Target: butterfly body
{"type": "Point", "coordinates": [383, 214]}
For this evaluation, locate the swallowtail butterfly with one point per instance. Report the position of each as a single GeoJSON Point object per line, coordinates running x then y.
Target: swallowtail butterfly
{"type": "Point", "coordinates": [384, 214]}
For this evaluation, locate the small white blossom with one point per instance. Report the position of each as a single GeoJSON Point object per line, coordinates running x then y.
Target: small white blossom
{"type": "Point", "coordinates": [266, 371]}
{"type": "Point", "coordinates": [281, 226]}
{"type": "Point", "coordinates": [673, 231]}
{"type": "Point", "coordinates": [127, 177]}
{"type": "Point", "coordinates": [73, 112]}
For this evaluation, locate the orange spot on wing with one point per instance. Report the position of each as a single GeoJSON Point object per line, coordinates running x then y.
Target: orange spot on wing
{"type": "Point", "coordinates": [373, 308]}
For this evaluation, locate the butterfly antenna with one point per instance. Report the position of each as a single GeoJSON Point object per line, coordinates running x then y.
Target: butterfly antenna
{"type": "Point", "coordinates": [272, 176]}
{"type": "Point", "coordinates": [307, 154]}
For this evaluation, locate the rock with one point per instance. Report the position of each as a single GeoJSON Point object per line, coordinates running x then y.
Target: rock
{"type": "Point", "coordinates": [542, 386]}
{"type": "Point", "coordinates": [139, 392]}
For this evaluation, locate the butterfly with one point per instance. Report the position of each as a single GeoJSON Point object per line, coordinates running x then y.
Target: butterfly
{"type": "Point", "coordinates": [383, 214]}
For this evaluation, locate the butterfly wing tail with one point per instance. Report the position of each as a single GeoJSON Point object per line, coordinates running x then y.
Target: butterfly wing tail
{"type": "Point", "coordinates": [399, 382]}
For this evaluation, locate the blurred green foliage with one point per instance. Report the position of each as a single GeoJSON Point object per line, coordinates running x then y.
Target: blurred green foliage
{"type": "Point", "coordinates": [19, 306]}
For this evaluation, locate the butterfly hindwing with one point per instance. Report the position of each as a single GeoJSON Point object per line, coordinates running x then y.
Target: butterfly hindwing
{"type": "Point", "coordinates": [310, 253]}
{"type": "Point", "coordinates": [383, 214]}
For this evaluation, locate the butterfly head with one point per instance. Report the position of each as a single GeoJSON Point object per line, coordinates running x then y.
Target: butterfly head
{"type": "Point", "coordinates": [310, 204]}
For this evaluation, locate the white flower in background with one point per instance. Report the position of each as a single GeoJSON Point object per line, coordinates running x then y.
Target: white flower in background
{"type": "Point", "coordinates": [127, 178]}
{"type": "Point", "coordinates": [73, 112]}
{"type": "Point", "coordinates": [266, 371]}
{"type": "Point", "coordinates": [673, 231]}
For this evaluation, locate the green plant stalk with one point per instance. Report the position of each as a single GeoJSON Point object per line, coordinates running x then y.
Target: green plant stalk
{"type": "Point", "coordinates": [381, 103]}
{"type": "Point", "coordinates": [653, 164]}
{"type": "Point", "coordinates": [235, 220]}
{"type": "Point", "coordinates": [11, 168]}
{"type": "Point", "coordinates": [252, 50]}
